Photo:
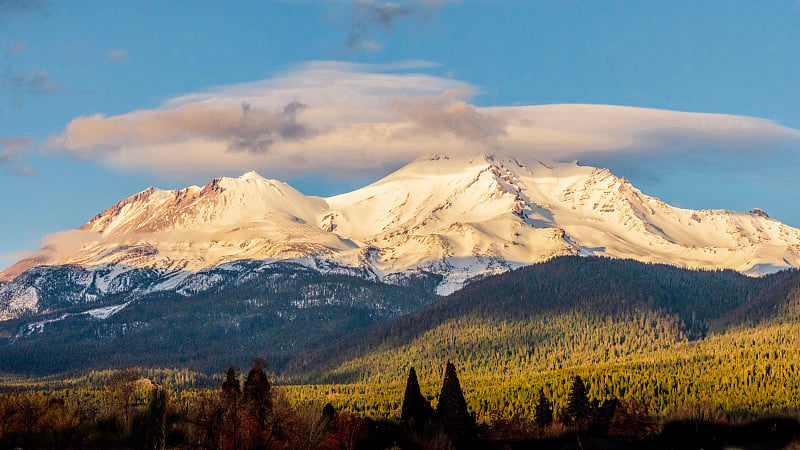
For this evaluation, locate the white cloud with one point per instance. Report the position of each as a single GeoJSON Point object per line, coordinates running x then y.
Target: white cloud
{"type": "Point", "coordinates": [11, 151]}
{"type": "Point", "coordinates": [340, 117]}
{"type": "Point", "coordinates": [54, 246]}
{"type": "Point", "coordinates": [242, 127]}
{"type": "Point", "coordinates": [68, 242]}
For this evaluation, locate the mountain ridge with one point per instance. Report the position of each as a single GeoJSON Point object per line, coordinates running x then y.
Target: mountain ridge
{"type": "Point", "coordinates": [459, 218]}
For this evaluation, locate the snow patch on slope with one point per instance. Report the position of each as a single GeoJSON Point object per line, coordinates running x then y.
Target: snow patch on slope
{"type": "Point", "coordinates": [106, 312]}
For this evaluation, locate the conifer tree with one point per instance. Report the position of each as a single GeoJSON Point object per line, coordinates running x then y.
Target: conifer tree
{"type": "Point", "coordinates": [452, 409]}
{"type": "Point", "coordinates": [578, 407]}
{"type": "Point", "coordinates": [257, 395]}
{"type": "Point", "coordinates": [231, 384]}
{"type": "Point", "coordinates": [328, 412]}
{"type": "Point", "coordinates": [544, 411]}
{"type": "Point", "coordinates": [416, 411]}
{"type": "Point", "coordinates": [413, 399]}
{"type": "Point", "coordinates": [231, 393]}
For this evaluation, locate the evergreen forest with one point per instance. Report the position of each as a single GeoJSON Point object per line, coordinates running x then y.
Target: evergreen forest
{"type": "Point", "coordinates": [590, 351]}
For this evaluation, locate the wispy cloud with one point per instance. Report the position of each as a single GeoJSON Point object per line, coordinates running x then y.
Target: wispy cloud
{"type": "Point", "coordinates": [41, 83]}
{"type": "Point", "coordinates": [9, 8]}
{"type": "Point", "coordinates": [53, 246]}
{"type": "Point", "coordinates": [116, 55]}
{"type": "Point", "coordinates": [367, 45]}
{"type": "Point", "coordinates": [383, 14]}
{"type": "Point", "coordinates": [369, 17]}
{"type": "Point", "coordinates": [20, 83]}
{"type": "Point", "coordinates": [36, 83]}
{"type": "Point", "coordinates": [361, 118]}
{"type": "Point", "coordinates": [243, 128]}
{"type": "Point", "coordinates": [11, 151]}
{"type": "Point", "coordinates": [449, 114]}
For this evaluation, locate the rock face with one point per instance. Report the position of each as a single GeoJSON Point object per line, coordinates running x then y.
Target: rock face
{"type": "Point", "coordinates": [457, 218]}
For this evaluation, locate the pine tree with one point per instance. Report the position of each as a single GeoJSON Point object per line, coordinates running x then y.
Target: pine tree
{"type": "Point", "coordinates": [328, 412]}
{"type": "Point", "coordinates": [452, 408]}
{"type": "Point", "coordinates": [413, 399]}
{"type": "Point", "coordinates": [416, 411]}
{"type": "Point", "coordinates": [578, 407]}
{"type": "Point", "coordinates": [257, 396]}
{"type": "Point", "coordinates": [231, 393]}
{"type": "Point", "coordinates": [256, 408]}
{"type": "Point", "coordinates": [544, 411]}
{"type": "Point", "coordinates": [231, 384]}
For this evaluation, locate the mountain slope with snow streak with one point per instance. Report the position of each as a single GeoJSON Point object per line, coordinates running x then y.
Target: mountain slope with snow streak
{"type": "Point", "coordinates": [460, 218]}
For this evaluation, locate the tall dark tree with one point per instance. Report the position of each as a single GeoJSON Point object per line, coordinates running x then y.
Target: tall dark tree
{"type": "Point", "coordinates": [231, 384]}
{"type": "Point", "coordinates": [416, 411]}
{"type": "Point", "coordinates": [578, 408]}
{"type": "Point", "coordinates": [543, 416]}
{"type": "Point", "coordinates": [156, 419]}
{"type": "Point", "coordinates": [413, 399]}
{"type": "Point", "coordinates": [231, 398]}
{"type": "Point", "coordinates": [257, 407]}
{"type": "Point", "coordinates": [328, 412]}
{"type": "Point", "coordinates": [452, 409]}
{"type": "Point", "coordinates": [257, 395]}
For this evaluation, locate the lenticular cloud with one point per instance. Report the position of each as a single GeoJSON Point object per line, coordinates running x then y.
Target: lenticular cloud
{"type": "Point", "coordinates": [361, 118]}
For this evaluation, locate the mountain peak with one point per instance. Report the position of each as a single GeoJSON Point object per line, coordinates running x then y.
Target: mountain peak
{"type": "Point", "coordinates": [458, 216]}
{"type": "Point", "coordinates": [252, 175]}
{"type": "Point", "coordinates": [251, 180]}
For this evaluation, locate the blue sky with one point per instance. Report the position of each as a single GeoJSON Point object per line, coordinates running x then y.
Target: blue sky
{"type": "Point", "coordinates": [63, 61]}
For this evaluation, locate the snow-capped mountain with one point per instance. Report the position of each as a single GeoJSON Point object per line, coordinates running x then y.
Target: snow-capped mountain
{"type": "Point", "coordinates": [460, 218]}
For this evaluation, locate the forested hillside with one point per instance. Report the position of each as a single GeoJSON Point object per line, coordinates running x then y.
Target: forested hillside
{"type": "Point", "coordinates": [714, 343]}
{"type": "Point", "coordinates": [672, 338]}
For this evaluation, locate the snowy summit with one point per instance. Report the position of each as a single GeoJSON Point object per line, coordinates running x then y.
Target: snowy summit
{"type": "Point", "coordinates": [458, 217]}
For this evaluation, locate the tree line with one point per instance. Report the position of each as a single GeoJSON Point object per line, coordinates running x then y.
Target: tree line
{"type": "Point", "coordinates": [246, 411]}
